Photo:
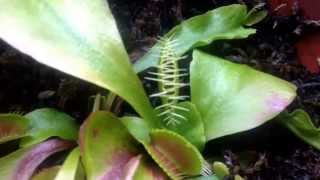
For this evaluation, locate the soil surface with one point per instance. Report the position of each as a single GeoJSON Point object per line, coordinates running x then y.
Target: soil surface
{"type": "Point", "coordinates": [268, 152]}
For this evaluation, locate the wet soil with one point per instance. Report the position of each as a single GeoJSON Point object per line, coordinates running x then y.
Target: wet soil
{"type": "Point", "coordinates": [268, 152]}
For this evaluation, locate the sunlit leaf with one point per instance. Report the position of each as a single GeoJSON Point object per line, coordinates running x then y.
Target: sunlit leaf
{"type": "Point", "coordinates": [70, 167]}
{"type": "Point", "coordinates": [21, 164]}
{"type": "Point", "coordinates": [47, 173]}
{"type": "Point", "coordinates": [222, 23]}
{"type": "Point", "coordinates": [12, 127]}
{"type": "Point", "coordinates": [300, 123]}
{"type": "Point", "coordinates": [232, 98]}
{"type": "Point", "coordinates": [174, 154]}
{"type": "Point", "coordinates": [76, 37]}
{"type": "Point", "coordinates": [46, 123]}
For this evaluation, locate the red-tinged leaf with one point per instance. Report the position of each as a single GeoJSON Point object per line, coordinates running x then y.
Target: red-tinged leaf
{"type": "Point", "coordinates": [12, 127]}
{"type": "Point", "coordinates": [309, 52]}
{"type": "Point", "coordinates": [22, 164]}
{"type": "Point", "coordinates": [175, 155]}
{"type": "Point", "coordinates": [106, 146]}
{"type": "Point", "coordinates": [109, 152]}
{"type": "Point", "coordinates": [282, 7]}
{"type": "Point", "coordinates": [131, 167]}
{"type": "Point", "coordinates": [138, 168]}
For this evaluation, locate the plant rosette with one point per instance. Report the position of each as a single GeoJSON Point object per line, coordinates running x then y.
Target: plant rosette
{"type": "Point", "coordinates": [225, 98]}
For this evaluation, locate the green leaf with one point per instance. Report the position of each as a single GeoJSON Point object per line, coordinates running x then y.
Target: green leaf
{"type": "Point", "coordinates": [137, 128]}
{"type": "Point", "coordinates": [255, 16]}
{"type": "Point", "coordinates": [222, 23]}
{"type": "Point", "coordinates": [47, 173]}
{"type": "Point", "coordinates": [106, 146]}
{"type": "Point", "coordinates": [174, 154]}
{"type": "Point", "coordinates": [46, 123]}
{"type": "Point", "coordinates": [300, 123]}
{"type": "Point", "coordinates": [79, 38]}
{"type": "Point", "coordinates": [21, 164]}
{"type": "Point", "coordinates": [70, 168]}
{"type": "Point", "coordinates": [232, 98]}
{"type": "Point", "coordinates": [12, 127]}
{"type": "Point", "coordinates": [192, 129]}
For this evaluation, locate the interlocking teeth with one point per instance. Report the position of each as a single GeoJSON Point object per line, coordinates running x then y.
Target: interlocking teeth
{"type": "Point", "coordinates": [206, 169]}
{"type": "Point", "coordinates": [170, 97]}
{"type": "Point", "coordinates": [160, 94]}
{"type": "Point", "coordinates": [170, 121]}
{"type": "Point", "coordinates": [180, 108]}
{"type": "Point", "coordinates": [179, 116]}
{"type": "Point", "coordinates": [167, 82]}
{"type": "Point", "coordinates": [168, 77]}
{"type": "Point", "coordinates": [166, 70]}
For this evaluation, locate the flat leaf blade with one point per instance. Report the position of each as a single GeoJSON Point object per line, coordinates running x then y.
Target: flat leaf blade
{"type": "Point", "coordinates": [222, 23]}
{"type": "Point", "coordinates": [255, 17]}
{"type": "Point", "coordinates": [137, 128]}
{"type": "Point", "coordinates": [79, 38]}
{"type": "Point", "coordinates": [45, 123]}
{"type": "Point", "coordinates": [232, 98]}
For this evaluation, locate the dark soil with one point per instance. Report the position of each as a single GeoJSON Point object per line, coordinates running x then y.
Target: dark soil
{"type": "Point", "coordinates": [268, 152]}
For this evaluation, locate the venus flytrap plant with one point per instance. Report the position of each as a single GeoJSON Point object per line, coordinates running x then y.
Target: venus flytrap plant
{"type": "Point", "coordinates": [226, 98]}
{"type": "Point", "coordinates": [105, 154]}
